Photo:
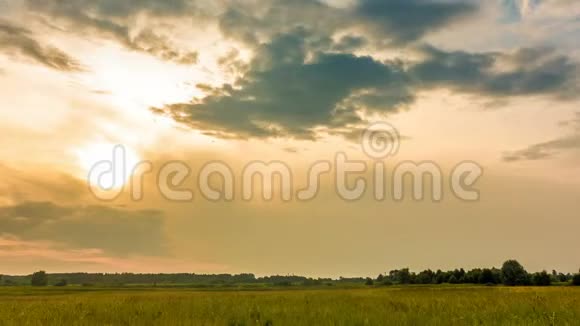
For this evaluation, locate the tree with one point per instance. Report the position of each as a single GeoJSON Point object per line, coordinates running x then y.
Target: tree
{"type": "Point", "coordinates": [513, 273]}
{"type": "Point", "coordinates": [541, 279]}
{"type": "Point", "coordinates": [380, 278]}
{"type": "Point", "coordinates": [563, 278]}
{"type": "Point", "coordinates": [459, 275]}
{"type": "Point", "coordinates": [387, 282]}
{"type": "Point", "coordinates": [576, 280]}
{"type": "Point", "coordinates": [453, 280]}
{"type": "Point", "coordinates": [473, 276]}
{"type": "Point", "coordinates": [486, 277]}
{"type": "Point", "coordinates": [9, 282]}
{"type": "Point", "coordinates": [369, 281]}
{"type": "Point", "coordinates": [402, 276]}
{"type": "Point", "coordinates": [441, 277]}
{"type": "Point", "coordinates": [425, 277]}
{"type": "Point", "coordinates": [39, 279]}
{"type": "Point", "coordinates": [62, 282]}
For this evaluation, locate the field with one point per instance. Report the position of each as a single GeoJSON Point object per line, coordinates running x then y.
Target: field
{"type": "Point", "coordinates": [442, 305]}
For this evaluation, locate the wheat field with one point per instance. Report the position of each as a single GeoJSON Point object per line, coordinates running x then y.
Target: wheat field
{"type": "Point", "coordinates": [375, 306]}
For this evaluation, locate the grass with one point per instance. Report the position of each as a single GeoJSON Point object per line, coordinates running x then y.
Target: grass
{"type": "Point", "coordinates": [437, 305]}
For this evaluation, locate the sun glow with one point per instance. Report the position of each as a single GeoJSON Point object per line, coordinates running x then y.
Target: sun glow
{"type": "Point", "coordinates": [137, 81]}
{"type": "Point", "coordinates": [109, 166]}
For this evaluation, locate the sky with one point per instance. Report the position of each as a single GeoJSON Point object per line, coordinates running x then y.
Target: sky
{"type": "Point", "coordinates": [494, 83]}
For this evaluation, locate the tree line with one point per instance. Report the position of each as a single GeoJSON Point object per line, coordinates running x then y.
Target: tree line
{"type": "Point", "coordinates": [42, 278]}
{"type": "Point", "coordinates": [512, 273]}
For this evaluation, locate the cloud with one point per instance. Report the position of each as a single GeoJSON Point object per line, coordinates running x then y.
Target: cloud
{"type": "Point", "coordinates": [19, 41]}
{"type": "Point", "coordinates": [259, 21]}
{"type": "Point", "coordinates": [114, 19]}
{"type": "Point", "coordinates": [311, 69]}
{"type": "Point", "coordinates": [24, 185]}
{"type": "Point", "coordinates": [528, 71]}
{"type": "Point", "coordinates": [11, 247]}
{"type": "Point", "coordinates": [113, 8]}
{"type": "Point", "coordinates": [160, 46]}
{"type": "Point", "coordinates": [251, 22]}
{"type": "Point", "coordinates": [551, 148]}
{"type": "Point", "coordinates": [401, 21]}
{"type": "Point", "coordinates": [409, 20]}
{"type": "Point", "coordinates": [23, 256]}
{"type": "Point", "coordinates": [296, 85]}
{"type": "Point", "coordinates": [287, 94]}
{"type": "Point", "coordinates": [546, 150]}
{"type": "Point", "coordinates": [350, 43]}
{"type": "Point", "coordinates": [515, 10]}
{"type": "Point", "coordinates": [114, 231]}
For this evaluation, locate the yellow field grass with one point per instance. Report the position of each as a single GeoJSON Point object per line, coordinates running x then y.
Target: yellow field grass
{"type": "Point", "coordinates": [440, 305]}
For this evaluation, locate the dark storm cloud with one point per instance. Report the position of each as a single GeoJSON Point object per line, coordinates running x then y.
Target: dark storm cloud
{"type": "Point", "coordinates": [304, 75]}
{"type": "Point", "coordinates": [111, 8]}
{"type": "Point", "coordinates": [350, 43]}
{"type": "Point", "coordinates": [409, 20]}
{"type": "Point", "coordinates": [528, 72]}
{"type": "Point", "coordinates": [400, 21]}
{"type": "Point", "coordinates": [284, 94]}
{"type": "Point", "coordinates": [112, 19]}
{"type": "Point", "coordinates": [18, 41]}
{"type": "Point", "coordinates": [292, 87]}
{"type": "Point", "coordinates": [115, 231]}
{"type": "Point", "coordinates": [251, 22]}
{"type": "Point", "coordinates": [551, 148]}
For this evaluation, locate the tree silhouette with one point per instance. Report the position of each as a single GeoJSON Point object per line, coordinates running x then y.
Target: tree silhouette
{"type": "Point", "coordinates": [541, 279]}
{"type": "Point", "coordinates": [513, 273]}
{"type": "Point", "coordinates": [39, 279]}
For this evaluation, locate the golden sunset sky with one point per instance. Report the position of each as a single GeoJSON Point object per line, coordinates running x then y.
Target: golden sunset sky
{"type": "Point", "coordinates": [493, 82]}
